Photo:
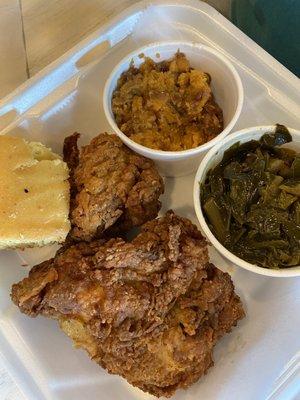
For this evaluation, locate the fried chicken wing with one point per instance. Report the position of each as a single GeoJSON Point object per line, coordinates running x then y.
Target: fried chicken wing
{"type": "Point", "coordinates": [150, 310]}
{"type": "Point", "coordinates": [111, 187]}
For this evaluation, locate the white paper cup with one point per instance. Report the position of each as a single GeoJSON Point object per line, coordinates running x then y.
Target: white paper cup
{"type": "Point", "coordinates": [226, 86]}
{"type": "Point", "coordinates": [212, 158]}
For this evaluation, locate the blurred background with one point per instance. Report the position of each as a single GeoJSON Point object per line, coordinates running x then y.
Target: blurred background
{"type": "Point", "coordinates": [33, 33]}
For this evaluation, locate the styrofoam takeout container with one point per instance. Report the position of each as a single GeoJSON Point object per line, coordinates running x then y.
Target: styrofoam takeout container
{"type": "Point", "coordinates": [260, 358]}
{"type": "Point", "coordinates": [226, 86]}
{"type": "Point", "coordinates": [213, 158]}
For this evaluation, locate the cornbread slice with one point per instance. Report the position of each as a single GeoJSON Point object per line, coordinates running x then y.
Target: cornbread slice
{"type": "Point", "coordinates": [34, 194]}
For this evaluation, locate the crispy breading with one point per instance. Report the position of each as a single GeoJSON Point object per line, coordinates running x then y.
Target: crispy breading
{"type": "Point", "coordinates": [150, 310]}
{"type": "Point", "coordinates": [71, 157]}
{"type": "Point", "coordinates": [111, 187]}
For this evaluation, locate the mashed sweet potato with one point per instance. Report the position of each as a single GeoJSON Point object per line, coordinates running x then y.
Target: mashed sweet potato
{"type": "Point", "coordinates": [167, 105]}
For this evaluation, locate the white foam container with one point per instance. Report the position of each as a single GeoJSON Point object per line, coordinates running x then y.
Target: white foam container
{"type": "Point", "coordinates": [260, 359]}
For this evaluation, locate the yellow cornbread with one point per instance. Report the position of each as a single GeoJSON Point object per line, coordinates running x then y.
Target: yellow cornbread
{"type": "Point", "coordinates": [34, 194]}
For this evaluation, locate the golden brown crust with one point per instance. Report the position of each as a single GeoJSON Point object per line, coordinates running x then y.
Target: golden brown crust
{"type": "Point", "coordinates": [150, 310]}
{"type": "Point", "coordinates": [71, 157]}
{"type": "Point", "coordinates": [115, 188]}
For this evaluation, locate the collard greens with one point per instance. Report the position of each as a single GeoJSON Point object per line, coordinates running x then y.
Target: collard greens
{"type": "Point", "coordinates": [251, 201]}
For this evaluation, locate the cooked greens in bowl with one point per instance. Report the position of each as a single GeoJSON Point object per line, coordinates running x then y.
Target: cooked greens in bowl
{"type": "Point", "coordinates": [251, 201]}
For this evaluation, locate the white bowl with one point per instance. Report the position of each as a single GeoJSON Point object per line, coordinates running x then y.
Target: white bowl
{"type": "Point", "coordinates": [212, 158]}
{"type": "Point", "coordinates": [226, 86]}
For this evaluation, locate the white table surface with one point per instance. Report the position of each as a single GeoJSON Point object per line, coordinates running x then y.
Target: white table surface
{"type": "Point", "coordinates": [25, 27]}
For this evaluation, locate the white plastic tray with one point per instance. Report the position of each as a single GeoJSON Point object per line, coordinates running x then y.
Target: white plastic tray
{"type": "Point", "coordinates": [261, 358]}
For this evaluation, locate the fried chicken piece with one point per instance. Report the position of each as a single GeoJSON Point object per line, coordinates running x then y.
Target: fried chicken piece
{"type": "Point", "coordinates": [111, 187]}
{"type": "Point", "coordinates": [71, 157]}
{"type": "Point", "coordinates": [150, 310]}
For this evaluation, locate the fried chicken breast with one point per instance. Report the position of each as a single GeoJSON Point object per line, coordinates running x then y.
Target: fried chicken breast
{"type": "Point", "coordinates": [150, 310]}
{"type": "Point", "coordinates": [112, 188]}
